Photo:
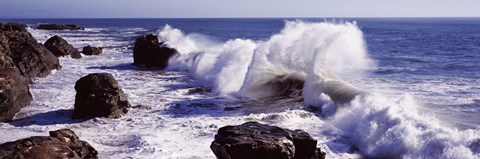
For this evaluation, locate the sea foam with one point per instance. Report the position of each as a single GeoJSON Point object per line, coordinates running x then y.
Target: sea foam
{"type": "Point", "coordinates": [322, 56]}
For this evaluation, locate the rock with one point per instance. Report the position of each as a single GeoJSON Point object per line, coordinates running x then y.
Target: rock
{"type": "Point", "coordinates": [253, 140]}
{"type": "Point", "coordinates": [13, 27]}
{"type": "Point", "coordinates": [99, 95]}
{"type": "Point", "coordinates": [59, 27]}
{"type": "Point", "coordinates": [60, 47]}
{"type": "Point", "coordinates": [150, 53]}
{"type": "Point", "coordinates": [30, 57]}
{"type": "Point", "coordinates": [60, 144]}
{"type": "Point", "coordinates": [14, 94]}
{"type": "Point", "coordinates": [22, 59]}
{"type": "Point", "coordinates": [88, 50]}
{"type": "Point", "coordinates": [199, 90]}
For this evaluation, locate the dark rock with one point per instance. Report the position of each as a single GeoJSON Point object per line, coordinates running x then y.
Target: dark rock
{"type": "Point", "coordinates": [150, 53]}
{"type": "Point", "coordinates": [59, 27]}
{"type": "Point", "coordinates": [13, 27]}
{"type": "Point", "coordinates": [253, 140]}
{"type": "Point", "coordinates": [30, 57]}
{"type": "Point", "coordinates": [88, 50]}
{"type": "Point", "coordinates": [199, 90]}
{"type": "Point", "coordinates": [60, 47]}
{"type": "Point", "coordinates": [60, 144]}
{"type": "Point", "coordinates": [99, 95]}
{"type": "Point", "coordinates": [22, 59]}
{"type": "Point", "coordinates": [15, 94]}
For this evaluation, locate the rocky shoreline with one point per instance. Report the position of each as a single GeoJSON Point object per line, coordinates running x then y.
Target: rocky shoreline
{"type": "Point", "coordinates": [98, 95]}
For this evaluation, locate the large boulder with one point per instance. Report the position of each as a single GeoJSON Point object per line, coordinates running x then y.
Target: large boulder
{"type": "Point", "coordinates": [88, 50]}
{"type": "Point", "coordinates": [30, 57]}
{"type": "Point", "coordinates": [14, 94]}
{"type": "Point", "coordinates": [59, 27]}
{"type": "Point", "coordinates": [62, 143]}
{"type": "Point", "coordinates": [22, 59]}
{"type": "Point", "coordinates": [99, 95]}
{"type": "Point", "coordinates": [149, 52]}
{"type": "Point", "coordinates": [253, 140]}
{"type": "Point", "coordinates": [60, 47]}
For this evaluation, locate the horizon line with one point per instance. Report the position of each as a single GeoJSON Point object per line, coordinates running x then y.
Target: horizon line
{"type": "Point", "coordinates": [237, 17]}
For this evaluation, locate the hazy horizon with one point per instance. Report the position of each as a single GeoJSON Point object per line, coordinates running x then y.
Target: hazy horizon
{"type": "Point", "coordinates": [12, 9]}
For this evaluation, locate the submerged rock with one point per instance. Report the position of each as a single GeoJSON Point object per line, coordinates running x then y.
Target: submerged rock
{"type": "Point", "coordinates": [253, 140]}
{"type": "Point", "coordinates": [62, 143]}
{"type": "Point", "coordinates": [59, 27]}
{"type": "Point", "coordinates": [99, 95]}
{"type": "Point", "coordinates": [88, 50]}
{"type": "Point", "coordinates": [150, 53]}
{"type": "Point", "coordinates": [60, 47]}
{"type": "Point", "coordinates": [199, 90]}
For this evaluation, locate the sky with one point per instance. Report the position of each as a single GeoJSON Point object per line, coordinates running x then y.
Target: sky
{"type": "Point", "coordinates": [236, 8]}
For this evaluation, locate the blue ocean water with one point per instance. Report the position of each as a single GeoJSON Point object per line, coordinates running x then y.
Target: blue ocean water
{"type": "Point", "coordinates": [434, 60]}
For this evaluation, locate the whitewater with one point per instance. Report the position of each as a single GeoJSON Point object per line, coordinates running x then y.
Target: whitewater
{"type": "Point", "coordinates": [314, 76]}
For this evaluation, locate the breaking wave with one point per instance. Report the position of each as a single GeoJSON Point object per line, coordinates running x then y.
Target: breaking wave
{"type": "Point", "coordinates": [311, 60]}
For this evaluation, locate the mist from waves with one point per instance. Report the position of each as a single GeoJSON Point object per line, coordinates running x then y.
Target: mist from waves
{"type": "Point", "coordinates": [312, 59]}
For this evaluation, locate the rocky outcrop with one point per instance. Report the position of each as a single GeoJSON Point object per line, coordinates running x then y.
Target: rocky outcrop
{"type": "Point", "coordinates": [88, 50]}
{"type": "Point", "coordinates": [62, 143]}
{"type": "Point", "coordinates": [253, 140]}
{"type": "Point", "coordinates": [60, 47]}
{"type": "Point", "coordinates": [59, 27]}
{"type": "Point", "coordinates": [99, 95]}
{"type": "Point", "coordinates": [30, 57]}
{"type": "Point", "coordinates": [14, 94]}
{"type": "Point", "coordinates": [22, 59]}
{"type": "Point", "coordinates": [13, 27]}
{"type": "Point", "coordinates": [150, 53]}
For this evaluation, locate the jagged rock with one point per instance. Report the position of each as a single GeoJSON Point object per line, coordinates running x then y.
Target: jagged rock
{"type": "Point", "coordinates": [30, 57]}
{"type": "Point", "coordinates": [60, 47]}
{"type": "Point", "coordinates": [199, 90]}
{"type": "Point", "coordinates": [88, 50]}
{"type": "Point", "coordinates": [13, 27]}
{"type": "Point", "coordinates": [150, 53]}
{"type": "Point", "coordinates": [253, 140]}
{"type": "Point", "coordinates": [60, 144]}
{"type": "Point", "coordinates": [14, 94]}
{"type": "Point", "coordinates": [99, 95]}
{"type": "Point", "coordinates": [59, 27]}
{"type": "Point", "coordinates": [22, 59]}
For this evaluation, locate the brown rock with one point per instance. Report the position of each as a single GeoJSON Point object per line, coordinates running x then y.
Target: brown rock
{"type": "Point", "coordinates": [88, 50]}
{"type": "Point", "coordinates": [60, 144]}
{"type": "Point", "coordinates": [149, 52]}
{"type": "Point", "coordinates": [253, 140]}
{"type": "Point", "coordinates": [60, 47]}
{"type": "Point", "coordinates": [59, 27]}
{"type": "Point", "coordinates": [99, 95]}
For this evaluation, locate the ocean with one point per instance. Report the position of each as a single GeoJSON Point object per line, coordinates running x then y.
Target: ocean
{"type": "Point", "coordinates": [373, 87]}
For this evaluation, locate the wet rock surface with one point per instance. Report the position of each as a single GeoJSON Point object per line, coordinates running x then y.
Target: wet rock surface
{"type": "Point", "coordinates": [99, 95]}
{"type": "Point", "coordinates": [62, 143]}
{"type": "Point", "coordinates": [253, 140]}
{"type": "Point", "coordinates": [15, 94]}
{"type": "Point", "coordinates": [89, 50]}
{"type": "Point", "coordinates": [22, 59]}
{"type": "Point", "coordinates": [60, 47]}
{"type": "Point", "coordinates": [30, 57]}
{"type": "Point", "coordinates": [59, 27]}
{"type": "Point", "coordinates": [149, 52]}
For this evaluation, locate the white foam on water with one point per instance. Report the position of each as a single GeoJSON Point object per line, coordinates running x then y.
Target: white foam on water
{"type": "Point", "coordinates": [166, 122]}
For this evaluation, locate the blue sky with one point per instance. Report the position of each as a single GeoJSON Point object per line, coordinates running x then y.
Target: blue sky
{"type": "Point", "coordinates": [236, 8]}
